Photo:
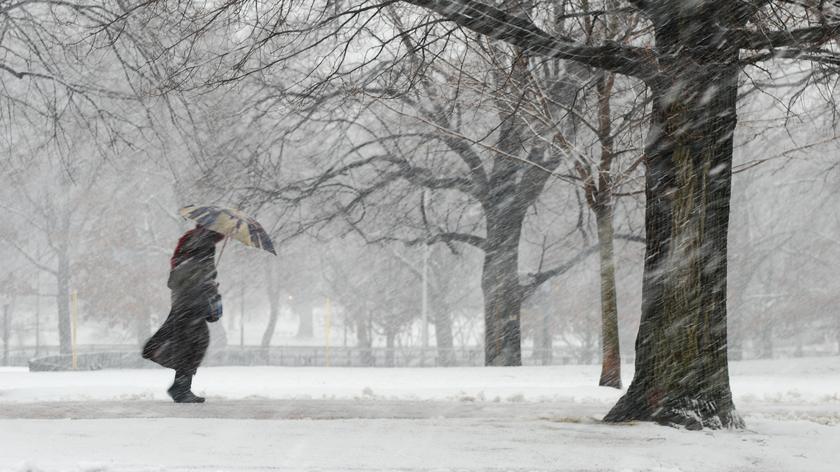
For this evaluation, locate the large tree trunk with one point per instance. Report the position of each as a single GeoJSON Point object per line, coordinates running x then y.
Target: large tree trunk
{"type": "Point", "coordinates": [503, 294]}
{"type": "Point", "coordinates": [682, 374]}
{"type": "Point", "coordinates": [610, 348]}
{"type": "Point", "coordinates": [511, 191]}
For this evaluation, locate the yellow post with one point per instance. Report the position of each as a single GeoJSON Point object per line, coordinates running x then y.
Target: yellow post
{"type": "Point", "coordinates": [74, 308]}
{"type": "Point", "coordinates": [327, 330]}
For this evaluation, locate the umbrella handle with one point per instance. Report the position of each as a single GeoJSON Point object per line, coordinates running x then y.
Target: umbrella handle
{"type": "Point", "coordinates": [222, 251]}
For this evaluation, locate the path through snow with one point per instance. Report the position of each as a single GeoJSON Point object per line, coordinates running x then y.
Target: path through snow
{"type": "Point", "coordinates": [314, 419]}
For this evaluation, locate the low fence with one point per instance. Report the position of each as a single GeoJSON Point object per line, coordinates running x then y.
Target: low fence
{"type": "Point", "coordinates": [20, 356]}
{"type": "Point", "coordinates": [93, 357]}
{"type": "Point", "coordinates": [294, 356]}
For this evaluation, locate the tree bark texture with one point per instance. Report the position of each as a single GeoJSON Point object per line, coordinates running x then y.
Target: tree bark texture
{"type": "Point", "coordinates": [610, 345]}
{"type": "Point", "coordinates": [512, 189]}
{"type": "Point", "coordinates": [602, 203]}
{"type": "Point", "coordinates": [503, 293]}
{"type": "Point", "coordinates": [682, 372]}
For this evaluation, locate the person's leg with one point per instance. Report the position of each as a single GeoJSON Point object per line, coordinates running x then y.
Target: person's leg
{"type": "Point", "coordinates": [180, 391]}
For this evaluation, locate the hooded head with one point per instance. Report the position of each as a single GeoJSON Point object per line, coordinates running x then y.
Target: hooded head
{"type": "Point", "coordinates": [198, 243]}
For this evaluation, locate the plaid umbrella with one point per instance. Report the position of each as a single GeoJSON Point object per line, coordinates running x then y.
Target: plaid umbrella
{"type": "Point", "coordinates": [231, 223]}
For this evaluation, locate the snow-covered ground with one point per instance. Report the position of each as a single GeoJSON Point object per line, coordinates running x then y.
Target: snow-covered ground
{"type": "Point", "coordinates": [532, 418]}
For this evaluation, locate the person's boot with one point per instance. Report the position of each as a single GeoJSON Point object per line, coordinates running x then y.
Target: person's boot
{"type": "Point", "coordinates": [180, 390]}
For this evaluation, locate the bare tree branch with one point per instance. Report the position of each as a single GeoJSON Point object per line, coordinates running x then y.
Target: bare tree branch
{"type": "Point", "coordinates": [524, 34]}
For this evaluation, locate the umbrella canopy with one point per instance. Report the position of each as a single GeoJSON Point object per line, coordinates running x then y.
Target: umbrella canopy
{"type": "Point", "coordinates": [231, 223]}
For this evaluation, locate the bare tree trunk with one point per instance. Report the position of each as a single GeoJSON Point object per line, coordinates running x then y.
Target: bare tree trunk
{"type": "Point", "coordinates": [610, 349]}
{"type": "Point", "coordinates": [306, 327]}
{"type": "Point", "coordinates": [546, 338]}
{"type": "Point", "coordinates": [601, 201]}
{"type": "Point", "coordinates": [682, 374]}
{"type": "Point", "coordinates": [443, 333]}
{"type": "Point", "coordinates": [503, 298]}
{"type": "Point", "coordinates": [766, 341]}
{"type": "Point", "coordinates": [273, 315]}
{"type": "Point", "coordinates": [389, 348]}
{"type": "Point", "coordinates": [537, 342]}
{"type": "Point", "coordinates": [363, 341]}
{"type": "Point", "coordinates": [682, 371]}
{"type": "Point", "coordinates": [273, 292]}
{"type": "Point", "coordinates": [512, 191]}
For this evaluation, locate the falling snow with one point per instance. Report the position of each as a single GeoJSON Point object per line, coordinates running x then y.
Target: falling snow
{"type": "Point", "coordinates": [418, 235]}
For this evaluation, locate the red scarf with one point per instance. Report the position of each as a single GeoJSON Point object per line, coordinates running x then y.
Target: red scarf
{"type": "Point", "coordinates": [183, 252]}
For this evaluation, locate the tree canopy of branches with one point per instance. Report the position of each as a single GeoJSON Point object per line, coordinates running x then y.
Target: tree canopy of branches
{"type": "Point", "coordinates": [689, 54]}
{"type": "Point", "coordinates": [699, 49]}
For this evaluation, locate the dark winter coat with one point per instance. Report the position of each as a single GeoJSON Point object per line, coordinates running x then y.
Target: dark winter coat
{"type": "Point", "coordinates": [182, 340]}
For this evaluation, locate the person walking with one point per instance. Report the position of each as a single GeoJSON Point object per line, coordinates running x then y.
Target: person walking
{"type": "Point", "coordinates": [182, 340]}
